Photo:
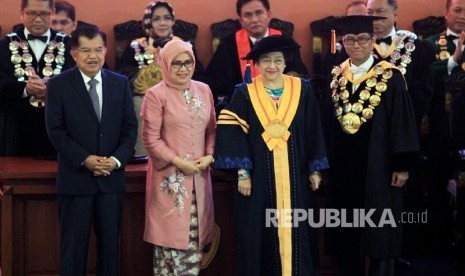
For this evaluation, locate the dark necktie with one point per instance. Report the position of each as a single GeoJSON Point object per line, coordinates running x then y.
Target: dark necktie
{"type": "Point", "coordinates": [94, 97]}
{"type": "Point", "coordinates": [42, 38]}
{"type": "Point", "coordinates": [387, 40]}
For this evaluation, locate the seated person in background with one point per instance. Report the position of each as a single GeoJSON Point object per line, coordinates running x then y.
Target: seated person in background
{"type": "Point", "coordinates": [64, 20]}
{"type": "Point", "coordinates": [139, 59]}
{"type": "Point", "coordinates": [226, 69]}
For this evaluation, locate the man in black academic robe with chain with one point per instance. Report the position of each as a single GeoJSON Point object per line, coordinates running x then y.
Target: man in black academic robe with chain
{"type": "Point", "coordinates": [28, 58]}
{"type": "Point", "coordinates": [373, 145]}
{"type": "Point", "coordinates": [402, 49]}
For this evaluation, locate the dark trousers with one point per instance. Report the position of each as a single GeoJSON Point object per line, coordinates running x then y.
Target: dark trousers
{"type": "Point", "coordinates": [77, 213]}
{"type": "Point", "coordinates": [349, 258]}
{"type": "Point", "coordinates": [381, 267]}
{"type": "Point", "coordinates": [355, 265]}
{"type": "Point", "coordinates": [352, 263]}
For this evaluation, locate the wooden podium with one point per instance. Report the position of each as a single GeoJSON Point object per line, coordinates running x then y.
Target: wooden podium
{"type": "Point", "coordinates": [30, 232]}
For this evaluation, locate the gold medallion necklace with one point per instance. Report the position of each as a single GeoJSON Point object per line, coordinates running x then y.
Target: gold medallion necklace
{"type": "Point", "coordinates": [22, 61]}
{"type": "Point", "coordinates": [352, 115]}
{"type": "Point", "coordinates": [401, 56]}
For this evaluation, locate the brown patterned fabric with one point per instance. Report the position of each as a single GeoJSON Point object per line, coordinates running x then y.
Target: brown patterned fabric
{"type": "Point", "coordinates": [174, 262]}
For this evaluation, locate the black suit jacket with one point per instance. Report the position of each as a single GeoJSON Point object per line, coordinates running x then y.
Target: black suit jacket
{"type": "Point", "coordinates": [76, 133]}
{"type": "Point", "coordinates": [22, 131]}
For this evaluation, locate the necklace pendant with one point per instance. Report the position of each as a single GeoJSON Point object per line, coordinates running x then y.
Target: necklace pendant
{"type": "Point", "coordinates": [350, 123]}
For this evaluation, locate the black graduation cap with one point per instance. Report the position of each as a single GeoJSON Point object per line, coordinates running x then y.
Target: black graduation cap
{"type": "Point", "coordinates": [273, 43]}
{"type": "Point", "coordinates": [356, 24]}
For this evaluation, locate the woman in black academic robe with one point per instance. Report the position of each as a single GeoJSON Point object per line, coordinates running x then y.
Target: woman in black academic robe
{"type": "Point", "coordinates": [271, 133]}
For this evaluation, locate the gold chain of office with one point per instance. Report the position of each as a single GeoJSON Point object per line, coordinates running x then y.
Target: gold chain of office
{"type": "Point", "coordinates": [352, 115]}
{"type": "Point", "coordinates": [22, 59]}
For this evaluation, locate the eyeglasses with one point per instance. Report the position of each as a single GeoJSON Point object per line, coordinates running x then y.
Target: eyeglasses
{"type": "Point", "coordinates": [41, 14]}
{"type": "Point", "coordinates": [360, 40]}
{"type": "Point", "coordinates": [162, 18]}
{"type": "Point", "coordinates": [268, 61]}
{"type": "Point", "coordinates": [178, 64]}
{"type": "Point", "coordinates": [88, 51]}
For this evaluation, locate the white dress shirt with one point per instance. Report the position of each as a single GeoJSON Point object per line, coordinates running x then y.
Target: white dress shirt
{"type": "Point", "coordinates": [360, 71]}
{"type": "Point", "coordinates": [383, 46]}
{"type": "Point", "coordinates": [100, 98]}
{"type": "Point", "coordinates": [254, 40]}
{"type": "Point", "coordinates": [38, 46]}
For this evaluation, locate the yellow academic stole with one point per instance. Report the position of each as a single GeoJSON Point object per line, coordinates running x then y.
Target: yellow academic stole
{"type": "Point", "coordinates": [276, 122]}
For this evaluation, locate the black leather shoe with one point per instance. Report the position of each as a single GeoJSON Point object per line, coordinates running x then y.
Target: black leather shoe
{"type": "Point", "coordinates": [401, 263]}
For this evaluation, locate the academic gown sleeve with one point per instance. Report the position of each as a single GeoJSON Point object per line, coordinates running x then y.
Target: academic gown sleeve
{"type": "Point", "coordinates": [232, 149]}
{"type": "Point", "coordinates": [419, 79]}
{"type": "Point", "coordinates": [403, 135]}
{"type": "Point", "coordinates": [11, 90]}
{"type": "Point", "coordinates": [315, 141]}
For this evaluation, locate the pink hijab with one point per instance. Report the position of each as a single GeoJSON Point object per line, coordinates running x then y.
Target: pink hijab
{"type": "Point", "coordinates": [167, 55]}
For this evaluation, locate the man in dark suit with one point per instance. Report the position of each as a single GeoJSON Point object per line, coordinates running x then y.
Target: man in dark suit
{"type": "Point", "coordinates": [91, 122]}
{"type": "Point", "coordinates": [226, 68]}
{"type": "Point", "coordinates": [28, 58]}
